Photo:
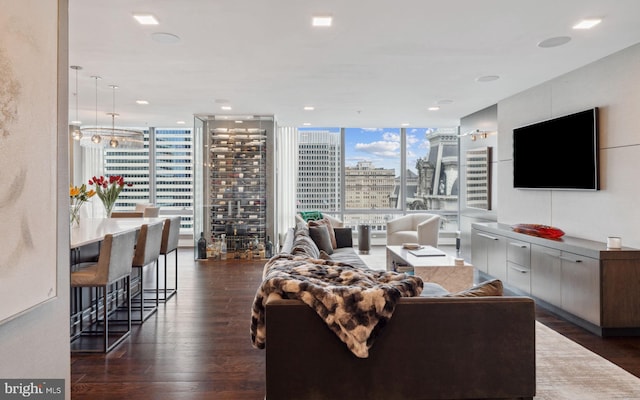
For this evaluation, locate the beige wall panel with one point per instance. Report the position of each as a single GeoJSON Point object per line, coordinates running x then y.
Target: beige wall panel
{"type": "Point", "coordinates": [611, 84]}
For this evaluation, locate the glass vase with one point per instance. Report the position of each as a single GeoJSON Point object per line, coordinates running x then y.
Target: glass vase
{"type": "Point", "coordinates": [74, 215]}
{"type": "Point", "coordinates": [108, 208]}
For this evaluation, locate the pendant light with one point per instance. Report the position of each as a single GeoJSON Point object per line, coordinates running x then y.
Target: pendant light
{"type": "Point", "coordinates": [95, 137]}
{"type": "Point", "coordinates": [76, 134]}
{"type": "Point", "coordinates": [114, 141]}
{"type": "Point", "coordinates": [111, 137]}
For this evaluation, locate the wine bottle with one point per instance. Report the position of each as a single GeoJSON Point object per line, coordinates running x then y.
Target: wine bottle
{"type": "Point", "coordinates": [269, 248]}
{"type": "Point", "coordinates": [202, 247]}
{"type": "Point", "coordinates": [223, 247]}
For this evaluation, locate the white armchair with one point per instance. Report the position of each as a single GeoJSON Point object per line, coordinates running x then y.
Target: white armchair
{"type": "Point", "coordinates": [414, 228]}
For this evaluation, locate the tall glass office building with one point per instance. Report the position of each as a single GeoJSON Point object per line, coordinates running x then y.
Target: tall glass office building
{"type": "Point", "coordinates": [162, 175]}
{"type": "Point", "coordinates": [319, 163]}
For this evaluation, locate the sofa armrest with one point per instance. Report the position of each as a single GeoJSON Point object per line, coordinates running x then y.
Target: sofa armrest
{"type": "Point", "coordinates": [344, 237]}
{"type": "Point", "coordinates": [287, 244]}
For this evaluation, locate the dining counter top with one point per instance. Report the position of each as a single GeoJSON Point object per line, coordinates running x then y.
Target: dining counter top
{"type": "Point", "coordinates": [92, 230]}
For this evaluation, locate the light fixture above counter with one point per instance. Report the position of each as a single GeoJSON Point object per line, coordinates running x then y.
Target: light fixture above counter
{"type": "Point", "coordinates": [98, 136]}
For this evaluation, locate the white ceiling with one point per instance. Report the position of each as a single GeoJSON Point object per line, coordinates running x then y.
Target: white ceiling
{"type": "Point", "coordinates": [382, 63]}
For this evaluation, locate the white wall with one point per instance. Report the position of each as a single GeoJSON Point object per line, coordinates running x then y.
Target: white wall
{"type": "Point", "coordinates": [612, 84]}
{"type": "Point", "coordinates": [35, 344]}
{"type": "Point", "coordinates": [483, 120]}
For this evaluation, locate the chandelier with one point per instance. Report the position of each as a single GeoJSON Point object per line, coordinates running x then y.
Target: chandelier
{"type": "Point", "coordinates": [100, 137]}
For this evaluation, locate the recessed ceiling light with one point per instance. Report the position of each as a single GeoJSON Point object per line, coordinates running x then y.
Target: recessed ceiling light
{"type": "Point", "coordinates": [307, 124]}
{"type": "Point", "coordinates": [587, 23]}
{"type": "Point", "coordinates": [309, 108]}
{"type": "Point", "coordinates": [554, 42]}
{"type": "Point", "coordinates": [487, 78]}
{"type": "Point", "coordinates": [433, 108]}
{"type": "Point", "coordinates": [180, 122]}
{"type": "Point", "coordinates": [142, 102]}
{"type": "Point", "coordinates": [322, 20]}
{"type": "Point", "coordinates": [145, 19]}
{"type": "Point", "coordinates": [239, 121]}
{"type": "Point", "coordinates": [226, 108]}
{"type": "Point", "coordinates": [404, 124]}
{"type": "Point", "coordinates": [76, 122]}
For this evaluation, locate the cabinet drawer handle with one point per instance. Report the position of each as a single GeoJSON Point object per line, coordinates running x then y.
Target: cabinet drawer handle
{"type": "Point", "coordinates": [518, 245]}
{"type": "Point", "coordinates": [487, 236]}
{"type": "Point", "coordinates": [573, 260]}
{"type": "Point", "coordinates": [522, 271]}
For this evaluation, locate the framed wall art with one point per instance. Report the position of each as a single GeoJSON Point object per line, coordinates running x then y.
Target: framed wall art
{"type": "Point", "coordinates": [28, 161]}
{"type": "Point", "coordinates": [478, 178]}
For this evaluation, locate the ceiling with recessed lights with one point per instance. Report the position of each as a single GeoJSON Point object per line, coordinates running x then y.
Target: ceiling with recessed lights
{"type": "Point", "coordinates": [420, 63]}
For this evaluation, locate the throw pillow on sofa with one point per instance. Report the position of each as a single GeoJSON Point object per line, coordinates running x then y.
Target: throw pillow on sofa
{"type": "Point", "coordinates": [320, 236]}
{"type": "Point", "coordinates": [310, 215]}
{"type": "Point", "coordinates": [488, 288]}
{"type": "Point", "coordinates": [325, 222]}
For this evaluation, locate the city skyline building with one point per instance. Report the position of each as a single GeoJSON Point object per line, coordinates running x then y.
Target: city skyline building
{"type": "Point", "coordinates": [373, 182]}
{"type": "Point", "coordinates": [319, 166]}
{"type": "Point", "coordinates": [162, 176]}
{"type": "Point", "coordinates": [367, 186]}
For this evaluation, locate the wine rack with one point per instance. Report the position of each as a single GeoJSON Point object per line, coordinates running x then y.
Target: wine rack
{"type": "Point", "coordinates": [237, 184]}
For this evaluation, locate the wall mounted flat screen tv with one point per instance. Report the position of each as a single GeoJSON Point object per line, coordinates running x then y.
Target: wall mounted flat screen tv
{"type": "Point", "coordinates": [559, 153]}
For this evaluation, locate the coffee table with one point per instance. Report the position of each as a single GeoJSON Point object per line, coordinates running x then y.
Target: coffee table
{"type": "Point", "coordinates": [438, 269]}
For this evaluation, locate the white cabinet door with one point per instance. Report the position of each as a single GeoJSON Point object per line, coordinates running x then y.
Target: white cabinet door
{"type": "Point", "coordinates": [489, 253]}
{"type": "Point", "coordinates": [546, 274]}
{"type": "Point", "coordinates": [479, 250]}
{"type": "Point", "coordinates": [581, 286]}
{"type": "Point", "coordinates": [497, 257]}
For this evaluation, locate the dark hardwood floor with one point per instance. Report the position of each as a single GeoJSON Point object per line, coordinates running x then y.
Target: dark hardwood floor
{"type": "Point", "coordinates": [197, 346]}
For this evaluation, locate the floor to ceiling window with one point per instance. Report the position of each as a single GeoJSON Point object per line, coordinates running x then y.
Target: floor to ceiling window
{"type": "Point", "coordinates": [367, 176]}
{"type": "Point", "coordinates": [162, 175]}
{"type": "Point", "coordinates": [174, 174]}
{"type": "Point", "coordinates": [371, 173]}
{"type": "Point", "coordinates": [133, 165]}
{"type": "Point", "coordinates": [431, 181]}
{"type": "Point", "coordinates": [319, 170]}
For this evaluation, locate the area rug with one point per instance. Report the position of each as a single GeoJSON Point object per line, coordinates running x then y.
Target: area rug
{"type": "Point", "coordinates": [567, 371]}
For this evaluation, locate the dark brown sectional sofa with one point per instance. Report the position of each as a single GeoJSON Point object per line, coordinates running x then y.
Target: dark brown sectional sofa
{"type": "Point", "coordinates": [432, 348]}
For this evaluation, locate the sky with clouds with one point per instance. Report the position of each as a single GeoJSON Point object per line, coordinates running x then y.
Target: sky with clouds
{"type": "Point", "coordinates": [382, 146]}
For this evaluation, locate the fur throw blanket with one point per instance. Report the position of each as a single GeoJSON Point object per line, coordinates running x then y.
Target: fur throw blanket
{"type": "Point", "coordinates": [355, 303]}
